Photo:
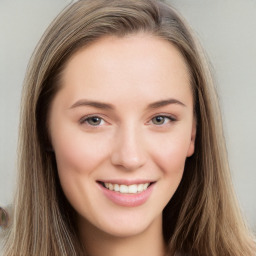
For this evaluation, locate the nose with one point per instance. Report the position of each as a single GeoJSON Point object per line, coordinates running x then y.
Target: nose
{"type": "Point", "coordinates": [128, 151]}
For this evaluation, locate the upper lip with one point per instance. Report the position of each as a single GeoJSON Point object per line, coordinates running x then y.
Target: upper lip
{"type": "Point", "coordinates": [127, 182]}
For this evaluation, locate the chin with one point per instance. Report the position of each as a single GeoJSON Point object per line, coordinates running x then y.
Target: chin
{"type": "Point", "coordinates": [126, 231]}
{"type": "Point", "coordinates": [129, 225]}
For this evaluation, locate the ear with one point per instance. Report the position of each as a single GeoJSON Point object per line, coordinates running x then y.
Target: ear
{"type": "Point", "coordinates": [191, 147]}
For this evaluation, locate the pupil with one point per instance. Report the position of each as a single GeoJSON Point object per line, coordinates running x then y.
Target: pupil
{"type": "Point", "coordinates": [159, 119]}
{"type": "Point", "coordinates": [95, 120]}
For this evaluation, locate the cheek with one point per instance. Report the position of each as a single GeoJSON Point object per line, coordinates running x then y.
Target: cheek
{"type": "Point", "coordinates": [170, 157]}
{"type": "Point", "coordinates": [78, 157]}
{"type": "Point", "coordinates": [170, 154]}
{"type": "Point", "coordinates": [73, 164]}
{"type": "Point", "coordinates": [79, 154]}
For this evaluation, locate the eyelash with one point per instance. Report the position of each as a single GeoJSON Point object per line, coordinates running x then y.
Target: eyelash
{"type": "Point", "coordinates": [167, 118]}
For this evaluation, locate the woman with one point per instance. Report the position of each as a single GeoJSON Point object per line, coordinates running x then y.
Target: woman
{"type": "Point", "coordinates": [121, 145]}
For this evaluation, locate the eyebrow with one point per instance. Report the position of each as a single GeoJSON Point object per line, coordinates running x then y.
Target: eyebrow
{"type": "Point", "coordinates": [102, 105]}
{"type": "Point", "coordinates": [163, 103]}
{"type": "Point", "coordinates": [95, 104]}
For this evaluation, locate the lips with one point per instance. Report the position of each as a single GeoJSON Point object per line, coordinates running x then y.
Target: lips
{"type": "Point", "coordinates": [127, 193]}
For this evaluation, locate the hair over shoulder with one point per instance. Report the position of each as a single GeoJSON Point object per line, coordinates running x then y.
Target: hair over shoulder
{"type": "Point", "coordinates": [202, 218]}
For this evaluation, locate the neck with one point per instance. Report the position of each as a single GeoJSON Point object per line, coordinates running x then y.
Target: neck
{"type": "Point", "coordinates": [150, 242]}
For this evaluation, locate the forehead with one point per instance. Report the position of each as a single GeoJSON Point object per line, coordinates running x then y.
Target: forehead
{"type": "Point", "coordinates": [135, 65]}
{"type": "Point", "coordinates": [133, 47]}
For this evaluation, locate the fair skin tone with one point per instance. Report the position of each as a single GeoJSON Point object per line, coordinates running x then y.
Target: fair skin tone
{"type": "Point", "coordinates": [122, 118]}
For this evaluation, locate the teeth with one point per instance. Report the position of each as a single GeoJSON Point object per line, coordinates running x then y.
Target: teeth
{"type": "Point", "coordinates": [116, 187]}
{"type": "Point", "coordinates": [140, 187]}
{"type": "Point", "coordinates": [124, 189]}
{"type": "Point", "coordinates": [145, 186]}
{"type": "Point", "coordinates": [132, 189]}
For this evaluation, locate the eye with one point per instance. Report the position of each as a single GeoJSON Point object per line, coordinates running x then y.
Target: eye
{"type": "Point", "coordinates": [93, 121]}
{"type": "Point", "coordinates": [161, 120]}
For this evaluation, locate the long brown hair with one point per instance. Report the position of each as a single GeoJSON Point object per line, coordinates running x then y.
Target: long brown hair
{"type": "Point", "coordinates": [202, 218]}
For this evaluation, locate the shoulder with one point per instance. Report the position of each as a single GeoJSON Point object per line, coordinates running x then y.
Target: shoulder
{"type": "Point", "coordinates": [1, 241]}
{"type": "Point", "coordinates": [4, 224]}
{"type": "Point", "coordinates": [4, 216]}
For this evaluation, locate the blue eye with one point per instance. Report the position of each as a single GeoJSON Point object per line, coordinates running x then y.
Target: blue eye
{"type": "Point", "coordinates": [160, 120]}
{"type": "Point", "coordinates": [93, 121]}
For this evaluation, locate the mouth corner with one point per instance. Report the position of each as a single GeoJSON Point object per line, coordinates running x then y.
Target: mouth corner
{"type": "Point", "coordinates": [101, 183]}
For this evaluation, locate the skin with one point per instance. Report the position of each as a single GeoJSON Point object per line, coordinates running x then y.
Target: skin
{"type": "Point", "coordinates": [128, 143]}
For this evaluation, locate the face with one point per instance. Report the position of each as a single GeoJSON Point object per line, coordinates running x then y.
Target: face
{"type": "Point", "coordinates": [121, 128]}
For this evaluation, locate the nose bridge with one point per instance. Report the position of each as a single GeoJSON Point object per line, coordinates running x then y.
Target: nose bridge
{"type": "Point", "coordinates": [128, 149]}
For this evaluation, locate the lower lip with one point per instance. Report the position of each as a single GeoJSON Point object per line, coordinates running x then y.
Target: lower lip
{"type": "Point", "coordinates": [128, 200]}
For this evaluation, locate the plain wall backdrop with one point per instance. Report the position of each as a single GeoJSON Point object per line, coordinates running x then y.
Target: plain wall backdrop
{"type": "Point", "coordinates": [227, 30]}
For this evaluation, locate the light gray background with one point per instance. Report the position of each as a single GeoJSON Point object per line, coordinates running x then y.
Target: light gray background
{"type": "Point", "coordinates": [227, 29]}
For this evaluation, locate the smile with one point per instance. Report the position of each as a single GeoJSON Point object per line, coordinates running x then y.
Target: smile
{"type": "Point", "coordinates": [128, 194]}
{"type": "Point", "coordinates": [127, 189]}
